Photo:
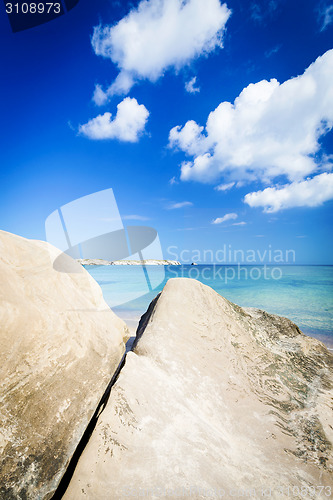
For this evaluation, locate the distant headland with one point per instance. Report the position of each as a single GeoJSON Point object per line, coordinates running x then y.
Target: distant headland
{"type": "Point", "coordinates": [148, 262]}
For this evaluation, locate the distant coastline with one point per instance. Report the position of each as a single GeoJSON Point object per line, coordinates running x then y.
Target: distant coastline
{"type": "Point", "coordinates": [148, 262]}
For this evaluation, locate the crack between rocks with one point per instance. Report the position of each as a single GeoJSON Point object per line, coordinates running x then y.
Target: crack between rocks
{"type": "Point", "coordinates": [70, 469]}
{"type": "Point", "coordinates": [130, 346]}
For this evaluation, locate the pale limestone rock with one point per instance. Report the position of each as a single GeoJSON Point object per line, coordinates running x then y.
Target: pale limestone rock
{"type": "Point", "coordinates": [215, 401]}
{"type": "Point", "coordinates": [59, 347]}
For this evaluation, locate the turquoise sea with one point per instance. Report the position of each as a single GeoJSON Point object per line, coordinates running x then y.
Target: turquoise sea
{"type": "Point", "coordinates": [303, 294]}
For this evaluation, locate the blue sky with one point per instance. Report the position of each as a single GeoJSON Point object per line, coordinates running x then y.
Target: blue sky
{"type": "Point", "coordinates": [129, 96]}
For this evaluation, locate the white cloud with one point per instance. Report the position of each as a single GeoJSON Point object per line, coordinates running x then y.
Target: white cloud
{"type": "Point", "coordinates": [325, 16]}
{"type": "Point", "coordinates": [127, 125]}
{"type": "Point", "coordinates": [225, 187]}
{"type": "Point", "coordinates": [190, 86]}
{"type": "Point", "coordinates": [135, 217]}
{"type": "Point", "coordinates": [225, 218]}
{"type": "Point", "coordinates": [272, 129]}
{"type": "Point", "coordinates": [308, 193]}
{"type": "Point", "coordinates": [239, 223]}
{"type": "Point", "coordinates": [189, 138]}
{"type": "Point", "coordinates": [99, 97]}
{"type": "Point", "coordinates": [181, 204]}
{"type": "Point", "coordinates": [156, 36]}
{"type": "Point", "coordinates": [173, 181]}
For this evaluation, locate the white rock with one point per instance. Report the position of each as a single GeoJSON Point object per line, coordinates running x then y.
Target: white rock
{"type": "Point", "coordinates": [215, 401]}
{"type": "Point", "coordinates": [60, 345]}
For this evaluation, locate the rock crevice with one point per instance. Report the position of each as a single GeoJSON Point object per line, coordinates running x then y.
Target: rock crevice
{"type": "Point", "coordinates": [214, 397]}
{"type": "Point", "coordinates": [60, 345]}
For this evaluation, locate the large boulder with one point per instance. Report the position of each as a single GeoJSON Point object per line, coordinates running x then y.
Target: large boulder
{"type": "Point", "coordinates": [215, 401]}
{"type": "Point", "coordinates": [59, 347]}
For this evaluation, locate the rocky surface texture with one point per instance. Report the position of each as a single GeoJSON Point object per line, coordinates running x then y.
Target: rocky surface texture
{"type": "Point", "coordinates": [59, 347]}
{"type": "Point", "coordinates": [148, 262]}
{"type": "Point", "coordinates": [215, 401]}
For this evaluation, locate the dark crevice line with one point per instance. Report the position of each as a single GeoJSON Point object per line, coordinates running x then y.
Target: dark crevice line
{"type": "Point", "coordinates": [130, 346]}
{"type": "Point", "coordinates": [145, 320]}
{"type": "Point", "coordinates": [70, 469]}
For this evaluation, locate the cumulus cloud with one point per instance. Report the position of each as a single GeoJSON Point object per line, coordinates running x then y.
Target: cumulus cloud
{"type": "Point", "coordinates": [189, 138]}
{"type": "Point", "coordinates": [127, 125]}
{"type": "Point", "coordinates": [156, 36]}
{"type": "Point", "coordinates": [308, 193]}
{"type": "Point", "coordinates": [225, 218]}
{"type": "Point", "coordinates": [181, 204]}
{"type": "Point", "coordinates": [190, 86]}
{"type": "Point", "coordinates": [270, 130]}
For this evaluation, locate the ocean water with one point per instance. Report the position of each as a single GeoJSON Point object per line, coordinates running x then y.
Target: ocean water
{"type": "Point", "coordinates": [303, 294]}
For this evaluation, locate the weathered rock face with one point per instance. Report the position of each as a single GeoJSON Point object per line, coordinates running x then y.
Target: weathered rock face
{"type": "Point", "coordinates": [215, 401]}
{"type": "Point", "coordinates": [60, 345]}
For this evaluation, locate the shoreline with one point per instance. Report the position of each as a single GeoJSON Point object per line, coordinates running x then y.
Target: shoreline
{"type": "Point", "coordinates": [132, 318]}
{"type": "Point", "coordinates": [147, 262]}
{"type": "Point", "coordinates": [167, 262]}
{"type": "Point", "coordinates": [311, 305]}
